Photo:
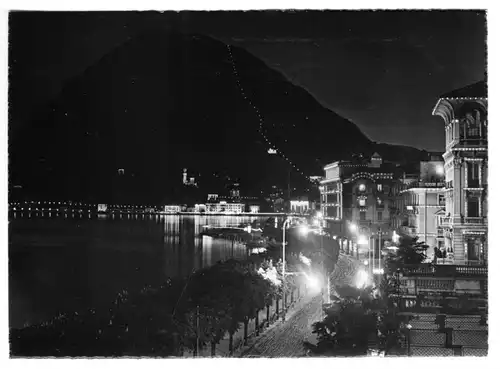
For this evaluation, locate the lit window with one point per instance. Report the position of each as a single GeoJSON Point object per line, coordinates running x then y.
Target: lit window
{"type": "Point", "coordinates": [362, 187]}
{"type": "Point", "coordinates": [362, 202]}
{"type": "Point", "coordinates": [379, 187]}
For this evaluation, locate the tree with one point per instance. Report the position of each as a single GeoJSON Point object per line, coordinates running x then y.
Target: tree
{"type": "Point", "coordinates": [409, 252]}
{"type": "Point", "coordinates": [354, 319]}
{"type": "Point", "coordinates": [228, 294]}
{"type": "Point", "coordinates": [161, 321]}
{"type": "Point", "coordinates": [344, 330]}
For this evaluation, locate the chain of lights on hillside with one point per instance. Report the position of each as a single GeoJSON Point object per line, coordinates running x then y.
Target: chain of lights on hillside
{"type": "Point", "coordinates": [261, 129]}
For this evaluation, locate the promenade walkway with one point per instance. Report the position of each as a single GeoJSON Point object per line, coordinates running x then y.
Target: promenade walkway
{"type": "Point", "coordinates": [286, 339]}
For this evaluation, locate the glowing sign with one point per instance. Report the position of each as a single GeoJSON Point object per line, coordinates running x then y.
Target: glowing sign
{"type": "Point", "coordinates": [271, 151]}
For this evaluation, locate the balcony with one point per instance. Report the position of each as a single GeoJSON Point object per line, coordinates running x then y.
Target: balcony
{"type": "Point", "coordinates": [426, 304]}
{"type": "Point", "coordinates": [446, 271]}
{"type": "Point", "coordinates": [475, 220]}
{"type": "Point", "coordinates": [330, 191]}
{"type": "Point", "coordinates": [448, 221]}
{"type": "Point", "coordinates": [445, 221]}
{"type": "Point", "coordinates": [421, 184]}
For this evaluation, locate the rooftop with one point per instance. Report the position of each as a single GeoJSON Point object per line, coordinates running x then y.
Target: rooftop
{"type": "Point", "coordinates": [478, 89]}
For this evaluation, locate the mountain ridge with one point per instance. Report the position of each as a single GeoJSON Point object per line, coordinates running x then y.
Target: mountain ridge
{"type": "Point", "coordinates": [174, 96]}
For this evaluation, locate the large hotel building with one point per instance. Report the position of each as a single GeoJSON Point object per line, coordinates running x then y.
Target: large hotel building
{"type": "Point", "coordinates": [444, 203]}
{"type": "Point", "coordinates": [464, 222]}
{"type": "Point", "coordinates": [357, 194]}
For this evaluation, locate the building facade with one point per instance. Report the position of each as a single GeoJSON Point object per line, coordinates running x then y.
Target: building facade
{"type": "Point", "coordinates": [355, 198]}
{"type": "Point", "coordinates": [172, 209]}
{"type": "Point", "coordinates": [421, 202]}
{"type": "Point", "coordinates": [464, 222]}
{"type": "Point", "coordinates": [300, 206]}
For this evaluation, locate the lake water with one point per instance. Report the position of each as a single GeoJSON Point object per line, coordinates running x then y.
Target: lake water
{"type": "Point", "coordinates": [62, 263]}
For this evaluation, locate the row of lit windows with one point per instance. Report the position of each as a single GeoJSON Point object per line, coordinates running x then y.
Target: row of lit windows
{"type": "Point", "coordinates": [362, 187]}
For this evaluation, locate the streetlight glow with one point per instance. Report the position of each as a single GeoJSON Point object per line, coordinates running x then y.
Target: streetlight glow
{"type": "Point", "coordinates": [313, 283]}
{"type": "Point", "coordinates": [305, 260]}
{"type": "Point", "coordinates": [362, 240]}
{"type": "Point", "coordinates": [304, 230]}
{"type": "Point", "coordinates": [352, 227]}
{"type": "Point", "coordinates": [361, 279]}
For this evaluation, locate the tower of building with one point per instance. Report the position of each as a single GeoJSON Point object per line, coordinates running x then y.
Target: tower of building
{"type": "Point", "coordinates": [464, 224]}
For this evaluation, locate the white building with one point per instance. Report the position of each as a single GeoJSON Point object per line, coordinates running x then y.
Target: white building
{"type": "Point", "coordinates": [299, 206]}
{"type": "Point", "coordinates": [172, 209]}
{"type": "Point", "coordinates": [225, 207]}
{"type": "Point", "coordinates": [254, 209]}
{"type": "Point", "coordinates": [200, 208]}
{"type": "Point", "coordinates": [422, 203]}
{"type": "Point", "coordinates": [465, 225]}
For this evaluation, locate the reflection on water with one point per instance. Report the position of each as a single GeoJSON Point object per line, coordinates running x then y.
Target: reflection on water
{"type": "Point", "coordinates": [59, 262]}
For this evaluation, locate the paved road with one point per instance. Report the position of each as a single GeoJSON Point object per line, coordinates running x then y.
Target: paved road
{"type": "Point", "coordinates": [286, 339]}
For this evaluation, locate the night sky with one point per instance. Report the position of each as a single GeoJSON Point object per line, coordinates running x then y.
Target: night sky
{"type": "Point", "coordinates": [382, 70]}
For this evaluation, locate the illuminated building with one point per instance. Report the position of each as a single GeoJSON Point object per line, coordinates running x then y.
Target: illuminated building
{"type": "Point", "coordinates": [420, 202]}
{"type": "Point", "coordinates": [215, 204]}
{"type": "Point", "coordinates": [276, 199]}
{"type": "Point", "coordinates": [225, 207]}
{"type": "Point", "coordinates": [200, 208]}
{"type": "Point", "coordinates": [357, 193]}
{"type": "Point", "coordinates": [102, 208]}
{"type": "Point", "coordinates": [464, 222]}
{"type": "Point", "coordinates": [184, 176]}
{"type": "Point", "coordinates": [299, 206]}
{"type": "Point", "coordinates": [172, 209]}
{"type": "Point", "coordinates": [191, 182]}
{"type": "Point", "coordinates": [254, 209]}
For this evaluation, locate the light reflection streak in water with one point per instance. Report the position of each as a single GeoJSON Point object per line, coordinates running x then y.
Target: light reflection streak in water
{"type": "Point", "coordinates": [106, 253]}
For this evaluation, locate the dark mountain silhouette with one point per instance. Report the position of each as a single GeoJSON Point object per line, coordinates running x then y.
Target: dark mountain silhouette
{"type": "Point", "coordinates": [166, 101]}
